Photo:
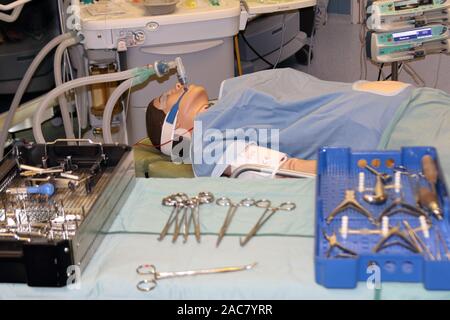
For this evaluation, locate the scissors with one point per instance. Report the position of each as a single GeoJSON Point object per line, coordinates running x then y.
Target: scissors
{"type": "Point", "coordinates": [269, 212]}
{"type": "Point", "coordinates": [226, 202]}
{"type": "Point", "coordinates": [150, 269]}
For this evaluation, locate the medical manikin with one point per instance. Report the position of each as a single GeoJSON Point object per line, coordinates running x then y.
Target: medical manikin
{"type": "Point", "coordinates": [304, 112]}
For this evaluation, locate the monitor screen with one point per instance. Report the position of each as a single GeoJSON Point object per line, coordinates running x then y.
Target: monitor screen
{"type": "Point", "coordinates": [413, 34]}
{"type": "Point", "coordinates": [411, 4]}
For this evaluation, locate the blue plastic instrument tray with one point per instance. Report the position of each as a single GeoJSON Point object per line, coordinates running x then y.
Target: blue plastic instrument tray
{"type": "Point", "coordinates": [338, 171]}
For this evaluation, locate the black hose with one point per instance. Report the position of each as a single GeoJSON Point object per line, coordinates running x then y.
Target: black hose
{"type": "Point", "coordinates": [390, 75]}
{"type": "Point", "coordinates": [254, 51]}
{"type": "Point", "coordinates": [379, 71]}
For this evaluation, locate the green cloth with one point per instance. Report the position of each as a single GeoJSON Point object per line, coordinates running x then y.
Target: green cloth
{"type": "Point", "coordinates": [425, 121]}
{"type": "Point", "coordinates": [150, 216]}
{"type": "Point", "coordinates": [150, 161]}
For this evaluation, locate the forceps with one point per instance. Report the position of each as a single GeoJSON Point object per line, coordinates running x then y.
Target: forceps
{"type": "Point", "coordinates": [186, 219]}
{"type": "Point", "coordinates": [269, 212]}
{"type": "Point", "coordinates": [247, 202]}
{"type": "Point", "coordinates": [201, 198]}
{"type": "Point", "coordinates": [149, 269]}
{"type": "Point", "coordinates": [187, 204]}
{"type": "Point", "coordinates": [177, 201]}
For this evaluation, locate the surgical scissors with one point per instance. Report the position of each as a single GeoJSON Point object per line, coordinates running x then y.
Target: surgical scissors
{"type": "Point", "coordinates": [269, 212]}
{"type": "Point", "coordinates": [226, 202]}
{"type": "Point", "coordinates": [149, 269]}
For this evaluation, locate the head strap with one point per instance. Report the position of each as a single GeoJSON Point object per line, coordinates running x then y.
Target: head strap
{"type": "Point", "coordinates": [169, 126]}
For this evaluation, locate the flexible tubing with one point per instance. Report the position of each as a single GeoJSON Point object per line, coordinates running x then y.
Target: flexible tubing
{"type": "Point", "coordinates": [76, 56]}
{"type": "Point", "coordinates": [63, 105]}
{"type": "Point", "coordinates": [24, 84]}
{"type": "Point", "coordinates": [109, 108]}
{"type": "Point", "coordinates": [283, 32]}
{"type": "Point", "coordinates": [37, 119]}
{"type": "Point", "coordinates": [115, 96]}
{"type": "Point", "coordinates": [13, 5]}
{"type": "Point", "coordinates": [11, 17]}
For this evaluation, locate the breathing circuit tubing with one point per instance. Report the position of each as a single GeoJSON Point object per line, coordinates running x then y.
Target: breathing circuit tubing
{"type": "Point", "coordinates": [110, 77]}
{"type": "Point", "coordinates": [24, 84]}
{"type": "Point", "coordinates": [160, 69]}
{"type": "Point", "coordinates": [13, 5]}
{"type": "Point", "coordinates": [109, 108]}
{"type": "Point", "coordinates": [68, 125]}
{"type": "Point", "coordinates": [64, 41]}
{"type": "Point", "coordinates": [133, 76]}
{"type": "Point", "coordinates": [16, 8]}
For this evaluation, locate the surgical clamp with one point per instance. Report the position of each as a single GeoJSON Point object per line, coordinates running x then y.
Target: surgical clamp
{"type": "Point", "coordinates": [201, 198]}
{"type": "Point", "coordinates": [176, 201]}
{"type": "Point", "coordinates": [403, 207]}
{"type": "Point", "coordinates": [188, 204]}
{"type": "Point", "coordinates": [247, 202]}
{"type": "Point", "coordinates": [444, 244]}
{"type": "Point", "coordinates": [269, 212]}
{"type": "Point", "coordinates": [183, 220]}
{"type": "Point", "coordinates": [182, 202]}
{"type": "Point", "coordinates": [350, 202]}
{"type": "Point", "coordinates": [193, 204]}
{"type": "Point", "coordinates": [149, 269]}
{"type": "Point", "coordinates": [332, 240]}
{"type": "Point", "coordinates": [395, 231]}
{"type": "Point", "coordinates": [417, 240]}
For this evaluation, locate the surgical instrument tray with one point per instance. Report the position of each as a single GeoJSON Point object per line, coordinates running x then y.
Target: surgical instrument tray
{"type": "Point", "coordinates": [408, 242]}
{"type": "Point", "coordinates": [48, 238]}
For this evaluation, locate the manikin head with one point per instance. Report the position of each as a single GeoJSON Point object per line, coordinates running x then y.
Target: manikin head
{"type": "Point", "coordinates": [159, 115]}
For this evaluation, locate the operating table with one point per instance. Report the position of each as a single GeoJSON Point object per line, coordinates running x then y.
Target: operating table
{"type": "Point", "coordinates": [284, 251]}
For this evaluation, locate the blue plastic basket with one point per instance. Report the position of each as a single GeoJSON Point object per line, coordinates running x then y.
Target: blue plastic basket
{"type": "Point", "coordinates": [338, 170]}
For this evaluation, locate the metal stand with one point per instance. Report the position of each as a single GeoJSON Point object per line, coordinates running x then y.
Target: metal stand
{"type": "Point", "coordinates": [394, 72]}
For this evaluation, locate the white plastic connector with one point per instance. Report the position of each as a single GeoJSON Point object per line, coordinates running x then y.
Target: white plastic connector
{"type": "Point", "coordinates": [385, 226]}
{"type": "Point", "coordinates": [397, 181]}
{"type": "Point", "coordinates": [361, 182]}
{"type": "Point", "coordinates": [182, 77]}
{"type": "Point", "coordinates": [344, 227]}
{"type": "Point", "coordinates": [424, 227]}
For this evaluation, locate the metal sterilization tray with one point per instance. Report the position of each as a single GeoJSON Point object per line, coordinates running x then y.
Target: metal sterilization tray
{"type": "Point", "coordinates": [44, 239]}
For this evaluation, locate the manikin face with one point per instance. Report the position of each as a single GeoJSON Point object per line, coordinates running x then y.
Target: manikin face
{"type": "Point", "coordinates": [194, 101]}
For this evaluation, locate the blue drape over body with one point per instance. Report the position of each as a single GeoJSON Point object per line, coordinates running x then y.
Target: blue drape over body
{"type": "Point", "coordinates": [308, 112]}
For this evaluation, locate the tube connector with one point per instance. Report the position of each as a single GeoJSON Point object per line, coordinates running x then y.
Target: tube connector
{"type": "Point", "coordinates": [163, 68]}
{"type": "Point", "coordinates": [181, 72]}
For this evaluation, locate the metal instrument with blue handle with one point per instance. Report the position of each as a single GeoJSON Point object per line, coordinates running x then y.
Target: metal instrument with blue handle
{"type": "Point", "coordinates": [44, 189]}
